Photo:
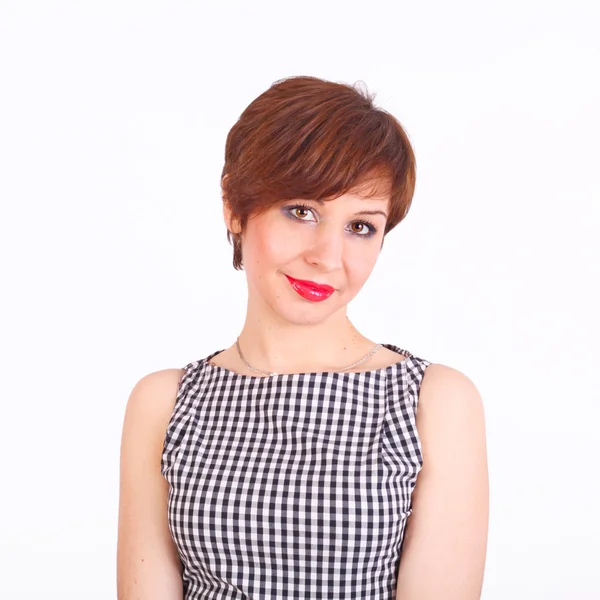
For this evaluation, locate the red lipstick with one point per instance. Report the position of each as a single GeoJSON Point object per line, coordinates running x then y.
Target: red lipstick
{"type": "Point", "coordinates": [311, 290]}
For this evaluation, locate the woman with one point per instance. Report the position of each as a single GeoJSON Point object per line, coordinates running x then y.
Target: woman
{"type": "Point", "coordinates": [306, 461]}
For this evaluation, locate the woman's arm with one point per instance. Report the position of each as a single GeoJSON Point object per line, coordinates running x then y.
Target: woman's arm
{"type": "Point", "coordinates": [446, 535]}
{"type": "Point", "coordinates": [148, 565]}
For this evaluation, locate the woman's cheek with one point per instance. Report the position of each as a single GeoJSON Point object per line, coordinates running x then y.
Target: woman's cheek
{"type": "Point", "coordinates": [363, 263]}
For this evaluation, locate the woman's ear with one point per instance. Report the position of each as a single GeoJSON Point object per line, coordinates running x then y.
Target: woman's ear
{"type": "Point", "coordinates": [231, 221]}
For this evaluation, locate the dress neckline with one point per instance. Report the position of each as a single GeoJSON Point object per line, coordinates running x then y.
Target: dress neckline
{"type": "Point", "coordinates": [283, 376]}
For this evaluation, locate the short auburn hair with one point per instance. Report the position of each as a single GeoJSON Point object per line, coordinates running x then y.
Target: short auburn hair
{"type": "Point", "coordinates": [306, 137]}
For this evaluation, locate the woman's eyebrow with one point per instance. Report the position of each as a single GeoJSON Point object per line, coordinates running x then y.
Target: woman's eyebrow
{"type": "Point", "coordinates": [360, 212]}
{"type": "Point", "coordinates": [371, 212]}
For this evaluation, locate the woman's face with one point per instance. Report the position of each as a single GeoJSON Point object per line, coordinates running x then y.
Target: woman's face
{"type": "Point", "coordinates": [334, 242]}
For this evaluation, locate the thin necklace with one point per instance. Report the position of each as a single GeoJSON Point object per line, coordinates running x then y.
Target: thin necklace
{"type": "Point", "coordinates": [237, 345]}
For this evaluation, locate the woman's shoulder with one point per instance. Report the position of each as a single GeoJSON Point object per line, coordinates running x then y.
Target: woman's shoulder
{"type": "Point", "coordinates": [449, 399]}
{"type": "Point", "coordinates": [440, 378]}
{"type": "Point", "coordinates": [152, 400]}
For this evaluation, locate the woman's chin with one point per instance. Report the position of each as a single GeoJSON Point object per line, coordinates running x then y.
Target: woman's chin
{"type": "Point", "coordinates": [306, 312]}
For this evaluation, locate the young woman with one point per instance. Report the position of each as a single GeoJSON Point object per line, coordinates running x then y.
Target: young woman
{"type": "Point", "coordinates": [305, 460]}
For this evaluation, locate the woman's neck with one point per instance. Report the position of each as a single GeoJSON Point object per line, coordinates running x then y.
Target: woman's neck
{"type": "Point", "coordinates": [290, 347]}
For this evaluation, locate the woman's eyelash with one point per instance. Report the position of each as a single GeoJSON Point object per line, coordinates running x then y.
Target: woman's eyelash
{"type": "Point", "coordinates": [370, 226]}
{"type": "Point", "coordinates": [302, 206]}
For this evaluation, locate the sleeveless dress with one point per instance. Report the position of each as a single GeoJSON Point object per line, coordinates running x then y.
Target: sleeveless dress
{"type": "Point", "coordinates": [294, 485]}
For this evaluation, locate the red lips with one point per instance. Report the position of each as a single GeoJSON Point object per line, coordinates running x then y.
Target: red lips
{"type": "Point", "coordinates": [311, 290]}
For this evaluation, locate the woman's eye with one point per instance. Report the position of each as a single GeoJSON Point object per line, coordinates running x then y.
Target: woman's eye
{"type": "Point", "coordinates": [304, 213]}
{"type": "Point", "coordinates": [361, 228]}
{"type": "Point", "coordinates": [300, 212]}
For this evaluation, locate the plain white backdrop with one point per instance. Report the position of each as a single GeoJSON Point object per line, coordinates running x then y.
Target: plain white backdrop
{"type": "Point", "coordinates": [115, 263]}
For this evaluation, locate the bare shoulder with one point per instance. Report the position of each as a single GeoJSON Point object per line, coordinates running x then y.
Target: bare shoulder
{"type": "Point", "coordinates": [447, 389]}
{"type": "Point", "coordinates": [450, 413]}
{"type": "Point", "coordinates": [157, 384]}
{"type": "Point", "coordinates": [148, 411]}
{"type": "Point", "coordinates": [446, 537]}
{"type": "Point", "coordinates": [152, 399]}
{"type": "Point", "coordinates": [148, 565]}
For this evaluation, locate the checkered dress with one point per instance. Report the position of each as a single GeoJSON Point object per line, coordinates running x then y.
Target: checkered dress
{"type": "Point", "coordinates": [294, 485]}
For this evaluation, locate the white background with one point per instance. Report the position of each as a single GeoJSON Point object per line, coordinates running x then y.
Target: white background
{"type": "Point", "coordinates": [115, 263]}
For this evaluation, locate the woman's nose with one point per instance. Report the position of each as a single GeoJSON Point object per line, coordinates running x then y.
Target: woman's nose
{"type": "Point", "coordinates": [326, 250]}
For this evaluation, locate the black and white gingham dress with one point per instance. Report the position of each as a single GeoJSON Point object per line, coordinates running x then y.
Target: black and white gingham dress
{"type": "Point", "coordinates": [294, 485]}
